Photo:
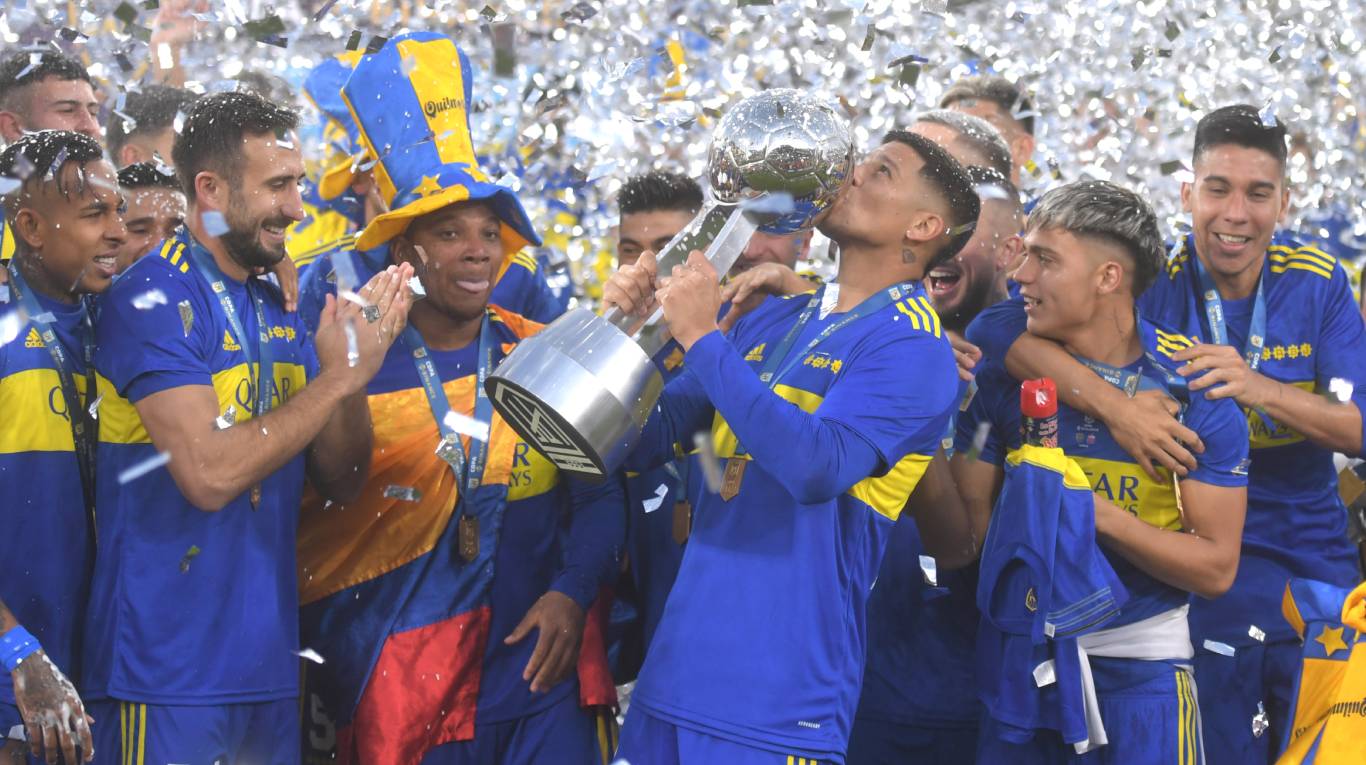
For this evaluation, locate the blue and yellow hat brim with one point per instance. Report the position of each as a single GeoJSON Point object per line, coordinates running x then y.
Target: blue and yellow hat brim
{"type": "Point", "coordinates": [517, 231]}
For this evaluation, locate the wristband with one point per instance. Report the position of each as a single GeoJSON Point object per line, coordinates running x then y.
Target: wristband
{"type": "Point", "coordinates": [15, 646]}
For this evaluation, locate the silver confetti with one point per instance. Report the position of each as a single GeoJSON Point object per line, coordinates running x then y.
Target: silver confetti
{"type": "Point", "coordinates": [186, 316]}
{"type": "Point", "coordinates": [930, 570]}
{"type": "Point", "coordinates": [466, 425]}
{"type": "Point", "coordinates": [1223, 649]}
{"type": "Point", "coordinates": [1260, 721]}
{"type": "Point", "coordinates": [149, 300]}
{"type": "Point", "coordinates": [94, 408]}
{"type": "Point", "coordinates": [706, 457]}
{"type": "Point", "coordinates": [134, 472]}
{"type": "Point", "coordinates": [352, 349]}
{"type": "Point", "coordinates": [310, 654]}
{"type": "Point", "coordinates": [227, 419]}
{"type": "Point", "coordinates": [405, 493]}
{"type": "Point", "coordinates": [1255, 632]}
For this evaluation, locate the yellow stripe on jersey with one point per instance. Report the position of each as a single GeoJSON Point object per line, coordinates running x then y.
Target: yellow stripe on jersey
{"type": "Point", "coordinates": [1073, 477]}
{"type": "Point", "coordinates": [1126, 486]}
{"type": "Point", "coordinates": [526, 260]}
{"type": "Point", "coordinates": [887, 494]}
{"type": "Point", "coordinates": [142, 734]}
{"type": "Point", "coordinates": [1264, 432]}
{"type": "Point", "coordinates": [35, 412]}
{"type": "Point", "coordinates": [929, 309]}
{"type": "Point", "coordinates": [120, 423]}
{"type": "Point", "coordinates": [6, 242]}
{"type": "Point", "coordinates": [171, 251]}
{"type": "Point", "coordinates": [913, 315]}
{"type": "Point", "coordinates": [1304, 259]}
{"type": "Point", "coordinates": [723, 438]}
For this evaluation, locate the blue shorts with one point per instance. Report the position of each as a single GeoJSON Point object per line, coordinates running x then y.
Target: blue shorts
{"type": "Point", "coordinates": [647, 740]}
{"type": "Point", "coordinates": [563, 733]}
{"type": "Point", "coordinates": [1230, 689]}
{"type": "Point", "coordinates": [261, 733]}
{"type": "Point", "coordinates": [878, 742]}
{"type": "Point", "coordinates": [1150, 715]}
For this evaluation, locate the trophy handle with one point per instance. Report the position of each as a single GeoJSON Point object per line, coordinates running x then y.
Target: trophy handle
{"type": "Point", "coordinates": [721, 231]}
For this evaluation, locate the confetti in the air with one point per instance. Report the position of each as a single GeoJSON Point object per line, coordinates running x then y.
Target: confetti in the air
{"type": "Point", "coordinates": [352, 349]}
{"type": "Point", "coordinates": [930, 570]}
{"type": "Point", "coordinates": [652, 504]}
{"type": "Point", "coordinates": [706, 457]}
{"type": "Point", "coordinates": [1256, 633]}
{"type": "Point", "coordinates": [466, 425]}
{"type": "Point", "coordinates": [227, 419]}
{"type": "Point", "coordinates": [148, 300]}
{"type": "Point", "coordinates": [1341, 389]}
{"type": "Point", "coordinates": [190, 555]}
{"type": "Point", "coordinates": [140, 469]}
{"type": "Point", "coordinates": [214, 223]}
{"type": "Point", "coordinates": [415, 286]}
{"type": "Point", "coordinates": [1223, 649]}
{"type": "Point", "coordinates": [310, 654]}
{"type": "Point", "coordinates": [405, 493]}
{"type": "Point", "coordinates": [94, 408]}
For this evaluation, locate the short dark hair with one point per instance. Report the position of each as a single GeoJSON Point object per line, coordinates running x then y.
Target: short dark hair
{"type": "Point", "coordinates": [38, 158]}
{"type": "Point", "coordinates": [150, 110]}
{"type": "Point", "coordinates": [148, 175]}
{"type": "Point", "coordinates": [978, 134]}
{"type": "Point", "coordinates": [952, 183]}
{"type": "Point", "coordinates": [1106, 211]}
{"type": "Point", "coordinates": [211, 137]}
{"type": "Point", "coordinates": [992, 184]}
{"type": "Point", "coordinates": [996, 89]}
{"type": "Point", "coordinates": [659, 190]}
{"type": "Point", "coordinates": [30, 66]}
{"type": "Point", "coordinates": [1240, 125]}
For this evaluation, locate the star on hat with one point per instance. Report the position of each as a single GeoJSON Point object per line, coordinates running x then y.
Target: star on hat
{"type": "Point", "coordinates": [429, 186]}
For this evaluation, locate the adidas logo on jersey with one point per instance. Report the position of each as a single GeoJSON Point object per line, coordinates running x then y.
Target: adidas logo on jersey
{"type": "Point", "coordinates": [34, 340]}
{"type": "Point", "coordinates": [228, 343]}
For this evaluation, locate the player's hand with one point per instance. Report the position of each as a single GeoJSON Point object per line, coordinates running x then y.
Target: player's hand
{"type": "Point", "coordinates": [54, 717]}
{"type": "Point", "coordinates": [691, 298]}
{"type": "Point", "coordinates": [1147, 429]}
{"type": "Point", "coordinates": [174, 25]}
{"type": "Point", "coordinates": [559, 621]}
{"type": "Point", "coordinates": [386, 291]}
{"type": "Point", "coordinates": [1225, 365]}
{"type": "Point", "coordinates": [746, 291]}
{"type": "Point", "coordinates": [966, 354]}
{"type": "Point", "coordinates": [632, 288]}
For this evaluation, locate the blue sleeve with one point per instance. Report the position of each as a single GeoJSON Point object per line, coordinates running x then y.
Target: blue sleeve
{"type": "Point", "coordinates": [997, 328]}
{"type": "Point", "coordinates": [313, 291]}
{"type": "Point", "coordinates": [683, 410]}
{"type": "Point", "coordinates": [869, 419]}
{"type": "Point", "coordinates": [1223, 429]}
{"type": "Point", "coordinates": [147, 351]}
{"type": "Point", "coordinates": [597, 532]}
{"type": "Point", "coordinates": [1341, 349]}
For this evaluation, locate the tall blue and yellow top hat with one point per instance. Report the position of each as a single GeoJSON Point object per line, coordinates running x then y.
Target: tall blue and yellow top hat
{"type": "Point", "coordinates": [323, 87]}
{"type": "Point", "coordinates": [409, 102]}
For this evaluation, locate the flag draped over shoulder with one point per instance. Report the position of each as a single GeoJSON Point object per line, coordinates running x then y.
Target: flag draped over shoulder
{"type": "Point", "coordinates": [400, 620]}
{"type": "Point", "coordinates": [1329, 710]}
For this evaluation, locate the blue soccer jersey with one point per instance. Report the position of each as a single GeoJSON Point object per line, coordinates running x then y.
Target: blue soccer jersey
{"type": "Point", "coordinates": [1112, 473]}
{"type": "Point", "coordinates": [1296, 524]}
{"type": "Point", "coordinates": [190, 607]}
{"type": "Point", "coordinates": [762, 639]}
{"type": "Point", "coordinates": [47, 549]}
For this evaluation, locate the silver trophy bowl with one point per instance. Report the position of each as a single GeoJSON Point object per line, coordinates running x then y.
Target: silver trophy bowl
{"type": "Point", "coordinates": [581, 390]}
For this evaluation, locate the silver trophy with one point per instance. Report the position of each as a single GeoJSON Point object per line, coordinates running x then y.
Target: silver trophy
{"type": "Point", "coordinates": [581, 390]}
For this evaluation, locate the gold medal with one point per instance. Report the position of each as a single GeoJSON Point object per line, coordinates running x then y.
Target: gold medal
{"type": "Point", "coordinates": [735, 473]}
{"type": "Point", "coordinates": [682, 521]}
{"type": "Point", "coordinates": [469, 538]}
{"type": "Point", "coordinates": [255, 497]}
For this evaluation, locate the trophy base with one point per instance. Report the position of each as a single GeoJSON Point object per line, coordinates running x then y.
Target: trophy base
{"type": "Point", "coordinates": [579, 392]}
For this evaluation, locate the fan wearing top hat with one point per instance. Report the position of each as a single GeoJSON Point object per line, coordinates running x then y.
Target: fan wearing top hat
{"type": "Point", "coordinates": [354, 189]}
{"type": "Point", "coordinates": [456, 600]}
